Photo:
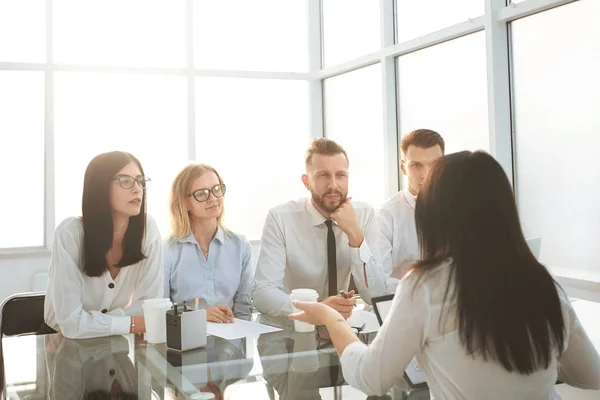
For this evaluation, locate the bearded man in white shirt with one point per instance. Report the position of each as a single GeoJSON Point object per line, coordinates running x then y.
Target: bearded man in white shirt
{"type": "Point", "coordinates": [397, 243]}
{"type": "Point", "coordinates": [320, 242]}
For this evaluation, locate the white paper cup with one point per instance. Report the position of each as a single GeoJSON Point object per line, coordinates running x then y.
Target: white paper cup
{"type": "Point", "coordinates": [308, 295]}
{"type": "Point", "coordinates": [154, 317]}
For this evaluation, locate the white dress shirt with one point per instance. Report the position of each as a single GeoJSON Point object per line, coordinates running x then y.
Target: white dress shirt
{"type": "Point", "coordinates": [293, 254]}
{"type": "Point", "coordinates": [412, 328]}
{"type": "Point", "coordinates": [80, 306]}
{"type": "Point", "coordinates": [397, 242]}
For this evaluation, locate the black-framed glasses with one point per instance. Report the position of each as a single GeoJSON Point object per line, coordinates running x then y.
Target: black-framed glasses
{"type": "Point", "coordinates": [202, 195]}
{"type": "Point", "coordinates": [324, 336]}
{"type": "Point", "coordinates": [127, 182]}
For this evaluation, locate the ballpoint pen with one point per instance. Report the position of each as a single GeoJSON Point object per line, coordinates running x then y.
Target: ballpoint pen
{"type": "Point", "coordinates": [345, 295]}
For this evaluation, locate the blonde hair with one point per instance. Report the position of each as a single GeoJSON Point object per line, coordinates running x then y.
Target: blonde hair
{"type": "Point", "coordinates": [181, 222]}
{"type": "Point", "coordinates": [325, 147]}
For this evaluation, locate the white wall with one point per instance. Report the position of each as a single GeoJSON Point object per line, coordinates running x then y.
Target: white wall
{"type": "Point", "coordinates": [17, 272]}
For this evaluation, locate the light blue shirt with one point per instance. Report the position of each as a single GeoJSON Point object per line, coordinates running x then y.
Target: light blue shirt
{"type": "Point", "coordinates": [226, 278]}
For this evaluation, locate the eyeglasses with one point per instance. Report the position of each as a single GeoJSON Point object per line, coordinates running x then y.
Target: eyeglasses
{"type": "Point", "coordinates": [323, 333]}
{"type": "Point", "coordinates": [127, 181]}
{"type": "Point", "coordinates": [202, 195]}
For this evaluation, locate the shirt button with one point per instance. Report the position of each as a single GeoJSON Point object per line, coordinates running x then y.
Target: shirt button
{"type": "Point", "coordinates": [111, 372]}
{"type": "Point", "coordinates": [104, 311]}
{"type": "Point", "coordinates": [111, 285]}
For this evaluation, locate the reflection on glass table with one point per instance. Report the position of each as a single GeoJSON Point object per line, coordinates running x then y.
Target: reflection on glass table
{"type": "Point", "coordinates": [280, 365]}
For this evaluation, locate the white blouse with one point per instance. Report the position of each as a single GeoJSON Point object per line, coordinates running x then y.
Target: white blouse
{"type": "Point", "coordinates": [80, 306]}
{"type": "Point", "coordinates": [412, 328]}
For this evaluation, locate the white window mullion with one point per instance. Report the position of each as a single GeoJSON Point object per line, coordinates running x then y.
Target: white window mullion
{"type": "Point", "coordinates": [49, 192]}
{"type": "Point", "coordinates": [191, 83]}
{"type": "Point", "coordinates": [498, 81]}
{"type": "Point", "coordinates": [390, 115]}
{"type": "Point", "coordinates": [315, 84]}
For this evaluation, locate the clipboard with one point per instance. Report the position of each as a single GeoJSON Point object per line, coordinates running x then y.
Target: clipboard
{"type": "Point", "coordinates": [413, 375]}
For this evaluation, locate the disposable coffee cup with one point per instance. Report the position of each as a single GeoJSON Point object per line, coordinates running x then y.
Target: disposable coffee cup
{"type": "Point", "coordinates": [155, 319]}
{"type": "Point", "coordinates": [308, 295]}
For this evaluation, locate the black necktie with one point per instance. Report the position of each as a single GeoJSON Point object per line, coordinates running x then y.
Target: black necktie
{"type": "Point", "coordinates": [331, 259]}
{"type": "Point", "coordinates": [334, 370]}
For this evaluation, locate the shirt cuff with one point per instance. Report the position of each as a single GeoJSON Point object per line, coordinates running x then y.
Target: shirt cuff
{"type": "Point", "coordinates": [360, 255]}
{"type": "Point", "coordinates": [120, 325]}
{"type": "Point", "coordinates": [350, 362]}
{"type": "Point", "coordinates": [365, 253]}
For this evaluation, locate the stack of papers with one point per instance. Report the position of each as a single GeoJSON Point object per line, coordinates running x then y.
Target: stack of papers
{"type": "Point", "coordinates": [238, 329]}
{"type": "Point", "coordinates": [368, 318]}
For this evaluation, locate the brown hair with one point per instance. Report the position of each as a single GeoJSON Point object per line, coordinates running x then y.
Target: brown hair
{"type": "Point", "coordinates": [424, 138]}
{"type": "Point", "coordinates": [325, 147]}
{"type": "Point", "coordinates": [508, 305]}
{"type": "Point", "coordinates": [181, 224]}
{"type": "Point", "coordinates": [97, 215]}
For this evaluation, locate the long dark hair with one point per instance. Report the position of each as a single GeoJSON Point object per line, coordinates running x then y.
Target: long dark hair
{"type": "Point", "coordinates": [97, 215]}
{"type": "Point", "coordinates": [508, 306]}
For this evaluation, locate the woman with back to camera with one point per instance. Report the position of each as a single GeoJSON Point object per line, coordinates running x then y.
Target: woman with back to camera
{"type": "Point", "coordinates": [483, 317]}
{"type": "Point", "coordinates": [105, 263]}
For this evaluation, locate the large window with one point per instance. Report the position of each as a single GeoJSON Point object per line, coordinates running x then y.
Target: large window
{"type": "Point", "coordinates": [417, 18]}
{"type": "Point", "coordinates": [444, 88]}
{"type": "Point", "coordinates": [254, 132]}
{"type": "Point", "coordinates": [556, 59]}
{"type": "Point", "coordinates": [133, 33]}
{"type": "Point", "coordinates": [354, 118]}
{"type": "Point", "coordinates": [351, 28]}
{"type": "Point", "coordinates": [257, 35]}
{"type": "Point", "coordinates": [228, 83]}
{"type": "Point", "coordinates": [95, 113]}
{"type": "Point", "coordinates": [127, 87]}
{"type": "Point", "coordinates": [22, 158]}
{"type": "Point", "coordinates": [24, 20]}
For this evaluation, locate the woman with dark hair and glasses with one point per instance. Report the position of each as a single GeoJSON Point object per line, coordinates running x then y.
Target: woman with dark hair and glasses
{"type": "Point", "coordinates": [483, 317]}
{"type": "Point", "coordinates": [105, 263]}
{"type": "Point", "coordinates": [205, 263]}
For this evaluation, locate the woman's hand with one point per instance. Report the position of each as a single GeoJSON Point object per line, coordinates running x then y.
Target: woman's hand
{"type": "Point", "coordinates": [220, 314]}
{"type": "Point", "coordinates": [315, 313]}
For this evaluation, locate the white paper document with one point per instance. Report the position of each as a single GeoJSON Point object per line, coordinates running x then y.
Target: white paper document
{"type": "Point", "coordinates": [368, 318]}
{"type": "Point", "coordinates": [239, 328]}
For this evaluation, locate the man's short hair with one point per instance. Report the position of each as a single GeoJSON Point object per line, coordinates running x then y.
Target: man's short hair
{"type": "Point", "coordinates": [323, 146]}
{"type": "Point", "coordinates": [423, 138]}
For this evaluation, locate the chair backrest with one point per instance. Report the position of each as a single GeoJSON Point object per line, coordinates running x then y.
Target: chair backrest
{"type": "Point", "coordinates": [22, 314]}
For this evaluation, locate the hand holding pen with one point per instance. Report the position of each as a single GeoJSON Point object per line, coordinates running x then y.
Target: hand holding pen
{"type": "Point", "coordinates": [344, 305]}
{"type": "Point", "coordinates": [346, 295]}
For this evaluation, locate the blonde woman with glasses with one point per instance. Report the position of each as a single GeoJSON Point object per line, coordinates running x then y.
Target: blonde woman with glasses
{"type": "Point", "coordinates": [203, 260]}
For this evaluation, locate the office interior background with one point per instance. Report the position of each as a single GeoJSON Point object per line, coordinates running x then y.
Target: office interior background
{"type": "Point", "coordinates": [243, 85]}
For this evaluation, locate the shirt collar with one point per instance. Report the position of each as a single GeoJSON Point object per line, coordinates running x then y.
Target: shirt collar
{"type": "Point", "coordinates": [410, 198]}
{"type": "Point", "coordinates": [190, 238]}
{"type": "Point", "coordinates": [316, 218]}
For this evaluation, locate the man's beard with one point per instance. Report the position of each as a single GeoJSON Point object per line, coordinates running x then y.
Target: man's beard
{"type": "Point", "coordinates": [323, 204]}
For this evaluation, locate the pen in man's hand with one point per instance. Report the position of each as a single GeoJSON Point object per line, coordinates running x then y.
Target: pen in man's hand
{"type": "Point", "coordinates": [345, 295]}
